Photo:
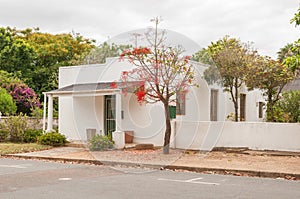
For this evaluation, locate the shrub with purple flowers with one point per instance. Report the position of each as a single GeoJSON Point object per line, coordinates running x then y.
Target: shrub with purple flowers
{"type": "Point", "coordinates": [25, 98]}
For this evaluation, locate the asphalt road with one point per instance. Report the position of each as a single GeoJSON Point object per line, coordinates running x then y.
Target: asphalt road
{"type": "Point", "coordinates": [38, 179]}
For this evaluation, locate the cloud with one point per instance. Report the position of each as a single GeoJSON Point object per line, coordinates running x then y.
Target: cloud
{"type": "Point", "coordinates": [266, 23]}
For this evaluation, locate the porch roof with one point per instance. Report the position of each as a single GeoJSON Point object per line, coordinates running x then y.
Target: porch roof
{"type": "Point", "coordinates": [94, 88]}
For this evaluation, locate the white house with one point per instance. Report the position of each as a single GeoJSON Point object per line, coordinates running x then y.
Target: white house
{"type": "Point", "coordinates": [88, 101]}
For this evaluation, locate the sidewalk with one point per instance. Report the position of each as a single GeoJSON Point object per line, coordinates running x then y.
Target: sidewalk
{"type": "Point", "coordinates": [235, 162]}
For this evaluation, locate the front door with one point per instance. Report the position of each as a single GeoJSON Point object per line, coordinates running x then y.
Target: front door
{"type": "Point", "coordinates": [109, 114]}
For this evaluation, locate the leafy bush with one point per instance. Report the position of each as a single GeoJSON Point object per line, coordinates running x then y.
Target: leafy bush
{"type": "Point", "coordinates": [16, 125]}
{"type": "Point", "coordinates": [31, 135]}
{"type": "Point", "coordinates": [7, 105]}
{"type": "Point", "coordinates": [52, 139]}
{"type": "Point", "coordinates": [25, 98]}
{"type": "Point", "coordinates": [100, 143]}
{"type": "Point", "coordinates": [287, 109]}
{"type": "Point", "coordinates": [3, 136]}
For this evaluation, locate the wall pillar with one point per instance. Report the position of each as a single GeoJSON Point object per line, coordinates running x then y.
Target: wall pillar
{"type": "Point", "coordinates": [118, 112]}
{"type": "Point", "coordinates": [44, 112]}
{"type": "Point", "coordinates": [119, 136]}
{"type": "Point", "coordinates": [50, 114]}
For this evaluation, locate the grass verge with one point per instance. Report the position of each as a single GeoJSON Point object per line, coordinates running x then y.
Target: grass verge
{"type": "Point", "coordinates": [11, 148]}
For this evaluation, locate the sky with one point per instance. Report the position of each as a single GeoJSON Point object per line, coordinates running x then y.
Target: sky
{"type": "Point", "coordinates": [263, 22]}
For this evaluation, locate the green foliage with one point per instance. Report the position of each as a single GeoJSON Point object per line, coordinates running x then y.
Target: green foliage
{"type": "Point", "coordinates": [203, 56]}
{"type": "Point", "coordinates": [231, 58]}
{"type": "Point", "coordinates": [292, 60]}
{"type": "Point", "coordinates": [100, 143]}
{"type": "Point", "coordinates": [7, 105]}
{"type": "Point", "coordinates": [16, 125]}
{"type": "Point", "coordinates": [38, 55]}
{"type": "Point", "coordinates": [20, 56]}
{"type": "Point", "coordinates": [211, 74]}
{"type": "Point", "coordinates": [25, 98]}
{"type": "Point", "coordinates": [4, 135]}
{"type": "Point", "coordinates": [31, 135]}
{"type": "Point", "coordinates": [296, 18]}
{"type": "Point", "coordinates": [52, 139]}
{"type": "Point", "coordinates": [105, 50]}
{"type": "Point", "coordinates": [285, 52]}
{"type": "Point", "coordinates": [270, 76]}
{"type": "Point", "coordinates": [287, 109]}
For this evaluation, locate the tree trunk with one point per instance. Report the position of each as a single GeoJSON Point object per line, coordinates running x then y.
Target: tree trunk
{"type": "Point", "coordinates": [234, 95]}
{"type": "Point", "coordinates": [236, 111]}
{"type": "Point", "coordinates": [166, 148]}
{"type": "Point", "coordinates": [270, 109]}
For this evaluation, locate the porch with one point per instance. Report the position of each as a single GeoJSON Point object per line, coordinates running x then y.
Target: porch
{"type": "Point", "coordinates": [84, 106]}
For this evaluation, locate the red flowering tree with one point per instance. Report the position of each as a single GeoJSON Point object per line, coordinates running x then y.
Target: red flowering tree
{"type": "Point", "coordinates": [162, 72]}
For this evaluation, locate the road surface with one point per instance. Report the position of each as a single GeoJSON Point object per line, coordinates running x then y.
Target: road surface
{"type": "Point", "coordinates": [32, 179]}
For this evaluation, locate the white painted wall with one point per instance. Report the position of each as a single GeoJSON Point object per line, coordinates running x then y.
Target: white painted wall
{"type": "Point", "coordinates": [108, 72]}
{"type": "Point", "coordinates": [80, 113]}
{"type": "Point", "coordinates": [254, 135]}
{"type": "Point", "coordinates": [147, 121]}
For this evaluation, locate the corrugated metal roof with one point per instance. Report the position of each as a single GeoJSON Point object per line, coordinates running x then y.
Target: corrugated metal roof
{"type": "Point", "coordinates": [292, 86]}
{"type": "Point", "coordinates": [94, 87]}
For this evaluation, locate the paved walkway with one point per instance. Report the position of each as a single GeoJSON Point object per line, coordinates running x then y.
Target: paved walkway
{"type": "Point", "coordinates": [237, 162]}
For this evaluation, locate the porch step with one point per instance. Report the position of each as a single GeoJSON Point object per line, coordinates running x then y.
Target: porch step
{"type": "Point", "coordinates": [144, 147]}
{"type": "Point", "coordinates": [130, 145]}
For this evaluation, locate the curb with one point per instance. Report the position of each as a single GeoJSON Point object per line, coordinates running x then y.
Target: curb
{"type": "Point", "coordinates": [221, 171]}
{"type": "Point", "coordinates": [64, 160]}
{"type": "Point", "coordinates": [235, 172]}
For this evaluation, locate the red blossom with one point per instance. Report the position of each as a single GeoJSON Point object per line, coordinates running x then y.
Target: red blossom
{"type": "Point", "coordinates": [113, 85]}
{"type": "Point", "coordinates": [187, 58]}
{"type": "Point", "coordinates": [140, 95]}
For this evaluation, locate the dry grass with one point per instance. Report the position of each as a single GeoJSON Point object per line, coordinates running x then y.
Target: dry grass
{"type": "Point", "coordinates": [11, 148]}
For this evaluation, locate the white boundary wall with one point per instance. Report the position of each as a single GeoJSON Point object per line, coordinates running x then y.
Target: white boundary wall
{"type": "Point", "coordinates": [254, 135]}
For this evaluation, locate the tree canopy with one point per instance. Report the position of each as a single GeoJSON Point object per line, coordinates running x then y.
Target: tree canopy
{"type": "Point", "coordinates": [230, 59]}
{"type": "Point", "coordinates": [101, 52]}
{"type": "Point", "coordinates": [270, 76]}
{"type": "Point", "coordinates": [36, 56]}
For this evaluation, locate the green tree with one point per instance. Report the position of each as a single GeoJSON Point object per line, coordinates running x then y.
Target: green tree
{"type": "Point", "coordinates": [296, 18]}
{"type": "Point", "coordinates": [203, 56]}
{"type": "Point", "coordinates": [292, 59]}
{"type": "Point", "coordinates": [285, 52]}
{"type": "Point", "coordinates": [211, 74]}
{"type": "Point", "coordinates": [15, 54]}
{"type": "Point", "coordinates": [270, 76]}
{"type": "Point", "coordinates": [287, 108]}
{"type": "Point", "coordinates": [162, 73]}
{"type": "Point", "coordinates": [8, 79]}
{"type": "Point", "coordinates": [231, 58]}
{"type": "Point", "coordinates": [7, 105]}
{"type": "Point", "coordinates": [52, 51]}
{"type": "Point", "coordinates": [20, 56]}
{"type": "Point", "coordinates": [105, 50]}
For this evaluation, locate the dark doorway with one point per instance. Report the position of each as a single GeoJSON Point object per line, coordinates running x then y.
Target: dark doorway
{"type": "Point", "coordinates": [242, 107]}
{"type": "Point", "coordinates": [213, 105]}
{"type": "Point", "coordinates": [109, 114]}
